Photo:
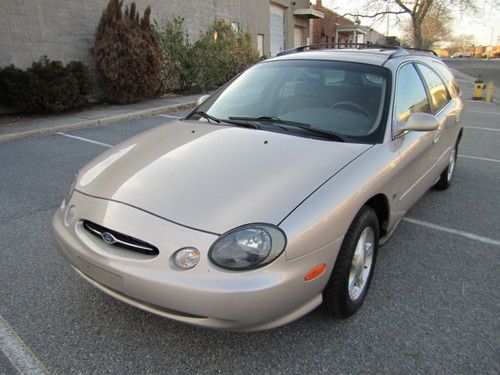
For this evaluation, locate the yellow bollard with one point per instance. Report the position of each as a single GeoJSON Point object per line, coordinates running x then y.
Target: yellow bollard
{"type": "Point", "coordinates": [489, 91]}
{"type": "Point", "coordinates": [479, 86]}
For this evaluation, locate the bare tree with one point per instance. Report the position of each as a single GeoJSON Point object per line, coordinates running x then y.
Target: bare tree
{"type": "Point", "coordinates": [417, 10]}
{"type": "Point", "coordinates": [462, 42]}
{"type": "Point", "coordinates": [436, 27]}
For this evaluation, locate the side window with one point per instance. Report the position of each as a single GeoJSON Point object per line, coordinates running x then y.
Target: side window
{"type": "Point", "coordinates": [333, 76]}
{"type": "Point", "coordinates": [410, 94]}
{"type": "Point", "coordinates": [439, 94]}
{"type": "Point", "coordinates": [447, 76]}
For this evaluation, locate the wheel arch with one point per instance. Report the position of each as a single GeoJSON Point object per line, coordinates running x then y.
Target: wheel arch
{"type": "Point", "coordinates": [380, 204]}
{"type": "Point", "coordinates": [460, 133]}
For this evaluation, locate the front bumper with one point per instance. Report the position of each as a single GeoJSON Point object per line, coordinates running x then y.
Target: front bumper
{"type": "Point", "coordinates": [205, 295]}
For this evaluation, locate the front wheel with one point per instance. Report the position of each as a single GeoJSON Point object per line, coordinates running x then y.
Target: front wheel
{"type": "Point", "coordinates": [351, 276]}
{"type": "Point", "coordinates": [446, 177]}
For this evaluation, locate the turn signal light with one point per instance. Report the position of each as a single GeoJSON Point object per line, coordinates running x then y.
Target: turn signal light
{"type": "Point", "coordinates": [315, 272]}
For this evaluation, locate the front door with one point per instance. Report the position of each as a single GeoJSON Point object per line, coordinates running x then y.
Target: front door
{"type": "Point", "coordinates": [415, 148]}
{"type": "Point", "coordinates": [298, 39]}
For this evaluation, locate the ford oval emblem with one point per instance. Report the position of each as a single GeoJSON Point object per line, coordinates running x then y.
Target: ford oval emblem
{"type": "Point", "coordinates": [108, 238]}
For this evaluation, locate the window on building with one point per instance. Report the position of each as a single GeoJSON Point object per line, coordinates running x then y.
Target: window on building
{"type": "Point", "coordinates": [439, 94]}
{"type": "Point", "coordinates": [410, 94]}
{"type": "Point", "coordinates": [260, 44]}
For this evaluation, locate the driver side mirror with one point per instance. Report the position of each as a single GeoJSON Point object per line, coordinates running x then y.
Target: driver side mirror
{"type": "Point", "coordinates": [419, 122]}
{"type": "Point", "coordinates": [201, 99]}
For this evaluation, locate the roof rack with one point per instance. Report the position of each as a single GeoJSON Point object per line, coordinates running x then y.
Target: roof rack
{"type": "Point", "coordinates": [407, 50]}
{"type": "Point", "coordinates": [399, 51]}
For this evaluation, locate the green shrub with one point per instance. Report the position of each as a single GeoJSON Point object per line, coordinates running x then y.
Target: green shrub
{"type": "Point", "coordinates": [47, 86]}
{"type": "Point", "coordinates": [178, 69]}
{"type": "Point", "coordinates": [209, 62]}
{"type": "Point", "coordinates": [127, 57]}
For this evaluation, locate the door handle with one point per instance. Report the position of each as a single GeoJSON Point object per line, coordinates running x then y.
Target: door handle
{"type": "Point", "coordinates": [437, 135]}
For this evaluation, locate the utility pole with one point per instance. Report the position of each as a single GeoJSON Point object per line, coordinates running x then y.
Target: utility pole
{"type": "Point", "coordinates": [490, 49]}
{"type": "Point", "coordinates": [388, 18]}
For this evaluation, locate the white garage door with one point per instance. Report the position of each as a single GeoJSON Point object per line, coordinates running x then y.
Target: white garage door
{"type": "Point", "coordinates": [277, 36]}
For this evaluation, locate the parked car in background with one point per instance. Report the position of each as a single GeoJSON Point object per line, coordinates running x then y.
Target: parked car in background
{"type": "Point", "coordinates": [461, 54]}
{"type": "Point", "coordinates": [273, 195]}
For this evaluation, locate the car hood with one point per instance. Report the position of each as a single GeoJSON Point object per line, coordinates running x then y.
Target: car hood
{"type": "Point", "coordinates": [214, 178]}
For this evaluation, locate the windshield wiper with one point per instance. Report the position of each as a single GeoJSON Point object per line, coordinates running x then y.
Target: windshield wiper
{"type": "Point", "coordinates": [207, 116]}
{"type": "Point", "coordinates": [211, 118]}
{"type": "Point", "coordinates": [301, 125]}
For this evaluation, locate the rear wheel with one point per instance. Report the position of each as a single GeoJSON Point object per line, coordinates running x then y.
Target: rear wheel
{"type": "Point", "coordinates": [351, 276]}
{"type": "Point", "coordinates": [447, 176]}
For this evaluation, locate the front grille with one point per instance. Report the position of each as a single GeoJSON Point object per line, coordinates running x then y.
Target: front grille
{"type": "Point", "coordinates": [114, 238]}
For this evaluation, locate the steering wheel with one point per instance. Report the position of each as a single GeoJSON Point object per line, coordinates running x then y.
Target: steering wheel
{"type": "Point", "coordinates": [322, 102]}
{"type": "Point", "coordinates": [352, 105]}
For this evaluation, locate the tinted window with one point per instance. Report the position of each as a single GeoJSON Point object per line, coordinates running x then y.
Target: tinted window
{"type": "Point", "coordinates": [410, 94]}
{"type": "Point", "coordinates": [439, 94]}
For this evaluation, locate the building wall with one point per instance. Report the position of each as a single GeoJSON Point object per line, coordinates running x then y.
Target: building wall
{"type": "Point", "coordinates": [374, 37]}
{"type": "Point", "coordinates": [64, 29]}
{"type": "Point", "coordinates": [324, 29]}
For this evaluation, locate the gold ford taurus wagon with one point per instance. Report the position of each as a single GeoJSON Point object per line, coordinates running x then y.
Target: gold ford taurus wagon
{"type": "Point", "coordinates": [273, 195]}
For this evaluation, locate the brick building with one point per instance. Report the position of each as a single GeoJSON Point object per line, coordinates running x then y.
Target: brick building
{"type": "Point", "coordinates": [64, 29]}
{"type": "Point", "coordinates": [333, 28]}
{"type": "Point", "coordinates": [324, 29]}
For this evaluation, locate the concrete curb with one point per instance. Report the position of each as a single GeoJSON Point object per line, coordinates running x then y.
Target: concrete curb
{"type": "Point", "coordinates": [97, 122]}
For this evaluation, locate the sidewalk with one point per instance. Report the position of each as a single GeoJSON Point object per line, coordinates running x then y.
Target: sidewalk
{"type": "Point", "coordinates": [467, 85]}
{"type": "Point", "coordinates": [12, 127]}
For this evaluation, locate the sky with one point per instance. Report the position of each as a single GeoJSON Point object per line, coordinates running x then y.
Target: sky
{"type": "Point", "coordinates": [481, 26]}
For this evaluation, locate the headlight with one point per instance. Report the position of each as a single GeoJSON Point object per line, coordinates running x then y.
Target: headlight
{"type": "Point", "coordinates": [70, 192]}
{"type": "Point", "coordinates": [247, 247]}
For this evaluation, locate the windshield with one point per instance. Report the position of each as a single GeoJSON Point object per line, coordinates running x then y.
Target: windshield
{"type": "Point", "coordinates": [338, 97]}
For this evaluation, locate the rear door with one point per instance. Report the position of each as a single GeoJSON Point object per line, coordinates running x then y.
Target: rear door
{"type": "Point", "coordinates": [441, 108]}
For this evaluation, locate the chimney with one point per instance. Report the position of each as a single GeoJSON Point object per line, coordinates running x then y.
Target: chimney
{"type": "Point", "coordinates": [319, 3]}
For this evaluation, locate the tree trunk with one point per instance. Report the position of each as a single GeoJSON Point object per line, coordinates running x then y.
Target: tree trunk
{"type": "Point", "coordinates": [417, 32]}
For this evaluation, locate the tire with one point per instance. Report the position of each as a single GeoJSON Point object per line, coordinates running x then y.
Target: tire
{"type": "Point", "coordinates": [341, 301]}
{"type": "Point", "coordinates": [446, 177]}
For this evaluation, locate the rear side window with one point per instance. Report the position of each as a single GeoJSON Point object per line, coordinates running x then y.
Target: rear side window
{"type": "Point", "coordinates": [437, 89]}
{"type": "Point", "coordinates": [447, 76]}
{"type": "Point", "coordinates": [410, 94]}
{"type": "Point", "coordinates": [333, 76]}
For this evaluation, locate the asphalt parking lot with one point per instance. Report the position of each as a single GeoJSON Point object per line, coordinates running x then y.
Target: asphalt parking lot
{"type": "Point", "coordinates": [433, 306]}
{"type": "Point", "coordinates": [486, 69]}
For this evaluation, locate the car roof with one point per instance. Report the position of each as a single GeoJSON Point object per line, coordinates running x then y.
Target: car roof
{"type": "Point", "coordinates": [373, 56]}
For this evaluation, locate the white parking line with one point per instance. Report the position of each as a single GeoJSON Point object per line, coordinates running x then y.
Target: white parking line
{"type": "Point", "coordinates": [468, 235]}
{"type": "Point", "coordinates": [17, 352]}
{"type": "Point", "coordinates": [487, 112]}
{"type": "Point", "coordinates": [84, 139]}
{"type": "Point", "coordinates": [481, 128]}
{"type": "Point", "coordinates": [479, 158]}
{"type": "Point", "coordinates": [169, 116]}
